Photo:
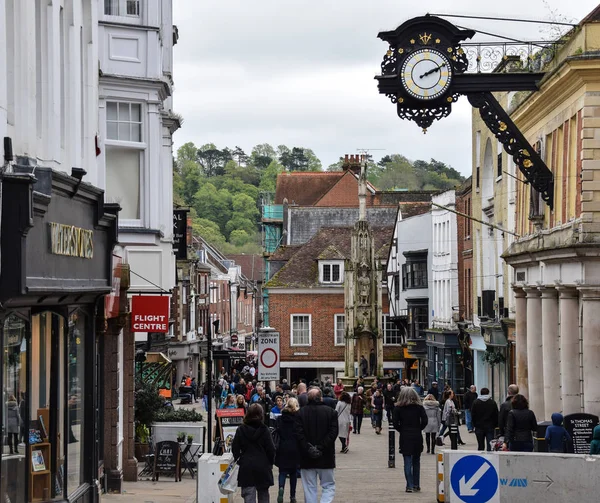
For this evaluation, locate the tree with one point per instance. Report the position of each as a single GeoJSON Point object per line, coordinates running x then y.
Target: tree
{"type": "Point", "coordinates": [314, 163]}
{"type": "Point", "coordinates": [188, 152]}
{"type": "Point", "coordinates": [262, 155]}
{"type": "Point", "coordinates": [213, 204]}
{"type": "Point", "coordinates": [239, 156]}
{"type": "Point", "coordinates": [208, 230]}
{"type": "Point", "coordinates": [213, 160]}
{"type": "Point", "coordinates": [268, 180]}
{"type": "Point", "coordinates": [240, 222]}
{"type": "Point", "coordinates": [239, 237]}
{"type": "Point", "coordinates": [244, 205]}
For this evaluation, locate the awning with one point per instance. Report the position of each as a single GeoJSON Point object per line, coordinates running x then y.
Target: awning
{"type": "Point", "coordinates": [477, 343]}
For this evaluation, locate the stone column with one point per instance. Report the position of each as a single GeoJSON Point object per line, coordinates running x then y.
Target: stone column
{"type": "Point", "coordinates": [569, 350]}
{"type": "Point", "coordinates": [534, 351]}
{"type": "Point", "coordinates": [590, 297]}
{"type": "Point", "coordinates": [550, 352]}
{"type": "Point", "coordinates": [521, 350]}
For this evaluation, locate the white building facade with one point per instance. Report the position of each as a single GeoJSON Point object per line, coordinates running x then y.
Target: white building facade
{"type": "Point", "coordinates": [136, 124]}
{"type": "Point", "coordinates": [444, 271]}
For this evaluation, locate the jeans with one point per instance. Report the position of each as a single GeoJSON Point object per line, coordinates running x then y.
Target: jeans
{"type": "Point", "coordinates": [412, 471]}
{"type": "Point", "coordinates": [293, 480]}
{"type": "Point", "coordinates": [357, 422]}
{"type": "Point", "coordinates": [468, 420]}
{"type": "Point", "coordinates": [484, 436]}
{"type": "Point", "coordinates": [343, 442]}
{"type": "Point", "coordinates": [444, 426]}
{"type": "Point", "coordinates": [377, 418]}
{"type": "Point", "coordinates": [388, 413]}
{"type": "Point", "coordinates": [373, 418]}
{"type": "Point", "coordinates": [521, 446]}
{"type": "Point", "coordinates": [249, 494]}
{"type": "Point", "coordinates": [309, 484]}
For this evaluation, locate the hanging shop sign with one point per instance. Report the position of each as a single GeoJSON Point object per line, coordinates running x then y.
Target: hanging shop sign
{"type": "Point", "coordinates": [180, 234]}
{"type": "Point", "coordinates": [150, 313]}
{"type": "Point", "coordinates": [111, 301]}
{"type": "Point", "coordinates": [71, 241]}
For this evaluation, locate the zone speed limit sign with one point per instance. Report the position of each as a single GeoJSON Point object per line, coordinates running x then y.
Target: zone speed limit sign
{"type": "Point", "coordinates": [268, 355]}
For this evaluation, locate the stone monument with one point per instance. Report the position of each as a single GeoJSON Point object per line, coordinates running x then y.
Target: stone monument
{"type": "Point", "coordinates": [362, 291]}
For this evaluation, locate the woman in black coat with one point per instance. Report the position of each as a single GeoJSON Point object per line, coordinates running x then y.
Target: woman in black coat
{"type": "Point", "coordinates": [254, 451]}
{"type": "Point", "coordinates": [288, 453]}
{"type": "Point", "coordinates": [410, 419]}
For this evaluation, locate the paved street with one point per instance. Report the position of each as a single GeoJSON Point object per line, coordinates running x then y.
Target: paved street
{"type": "Point", "coordinates": [362, 476]}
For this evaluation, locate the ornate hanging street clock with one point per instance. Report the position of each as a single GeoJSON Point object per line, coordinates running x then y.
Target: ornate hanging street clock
{"type": "Point", "coordinates": [424, 71]}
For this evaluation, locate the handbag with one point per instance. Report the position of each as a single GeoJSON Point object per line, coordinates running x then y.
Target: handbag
{"type": "Point", "coordinates": [228, 481]}
{"type": "Point", "coordinates": [275, 436]}
{"type": "Point", "coordinates": [439, 441]}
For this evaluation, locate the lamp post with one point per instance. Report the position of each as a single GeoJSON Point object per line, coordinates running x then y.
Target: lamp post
{"type": "Point", "coordinates": [209, 371]}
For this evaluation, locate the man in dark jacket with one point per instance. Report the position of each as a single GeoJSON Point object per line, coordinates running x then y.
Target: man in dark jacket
{"type": "Point", "coordinates": [316, 431]}
{"type": "Point", "coordinates": [468, 399]}
{"type": "Point", "coordinates": [389, 400]}
{"type": "Point", "coordinates": [505, 408]}
{"type": "Point", "coordinates": [434, 390]}
{"type": "Point", "coordinates": [373, 362]}
{"type": "Point", "coordinates": [484, 414]}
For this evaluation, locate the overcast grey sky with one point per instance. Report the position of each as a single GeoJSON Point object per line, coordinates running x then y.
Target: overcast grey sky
{"type": "Point", "coordinates": [300, 73]}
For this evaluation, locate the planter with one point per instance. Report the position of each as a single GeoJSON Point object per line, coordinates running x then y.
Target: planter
{"type": "Point", "coordinates": [141, 451]}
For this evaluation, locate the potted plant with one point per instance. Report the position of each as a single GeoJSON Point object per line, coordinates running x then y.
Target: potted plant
{"type": "Point", "coordinates": [147, 403]}
{"type": "Point", "coordinates": [181, 437]}
{"type": "Point", "coordinates": [190, 439]}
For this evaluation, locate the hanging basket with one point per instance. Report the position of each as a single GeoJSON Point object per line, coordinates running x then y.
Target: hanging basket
{"type": "Point", "coordinates": [493, 357]}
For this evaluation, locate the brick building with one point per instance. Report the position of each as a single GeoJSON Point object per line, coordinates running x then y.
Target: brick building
{"type": "Point", "coordinates": [307, 305]}
{"type": "Point", "coordinates": [465, 252]}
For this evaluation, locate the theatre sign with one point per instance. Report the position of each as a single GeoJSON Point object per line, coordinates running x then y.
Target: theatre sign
{"type": "Point", "coordinates": [150, 313]}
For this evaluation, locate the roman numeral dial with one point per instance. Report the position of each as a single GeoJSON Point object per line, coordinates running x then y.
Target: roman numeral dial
{"type": "Point", "coordinates": [426, 74]}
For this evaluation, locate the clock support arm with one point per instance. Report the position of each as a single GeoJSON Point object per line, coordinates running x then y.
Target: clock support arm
{"type": "Point", "coordinates": [524, 155]}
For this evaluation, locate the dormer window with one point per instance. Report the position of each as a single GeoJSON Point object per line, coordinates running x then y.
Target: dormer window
{"type": "Point", "coordinates": [331, 272]}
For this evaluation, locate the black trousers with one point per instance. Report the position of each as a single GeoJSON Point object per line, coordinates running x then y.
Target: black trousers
{"type": "Point", "coordinates": [357, 422]}
{"type": "Point", "coordinates": [430, 440]}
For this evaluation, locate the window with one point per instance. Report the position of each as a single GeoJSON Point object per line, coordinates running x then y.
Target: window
{"type": "Point", "coordinates": [414, 275]}
{"type": "Point", "coordinates": [331, 272]}
{"type": "Point", "coordinates": [300, 330]}
{"type": "Point", "coordinates": [124, 121]}
{"type": "Point", "coordinates": [499, 171]}
{"type": "Point", "coordinates": [418, 320]}
{"type": "Point", "coordinates": [122, 8]}
{"type": "Point", "coordinates": [339, 327]}
{"type": "Point", "coordinates": [392, 335]}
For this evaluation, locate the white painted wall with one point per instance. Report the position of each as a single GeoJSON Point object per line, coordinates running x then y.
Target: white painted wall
{"type": "Point", "coordinates": [135, 59]}
{"type": "Point", "coordinates": [444, 261]}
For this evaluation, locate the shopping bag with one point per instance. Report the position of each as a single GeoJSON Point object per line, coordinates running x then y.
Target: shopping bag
{"type": "Point", "coordinates": [228, 481]}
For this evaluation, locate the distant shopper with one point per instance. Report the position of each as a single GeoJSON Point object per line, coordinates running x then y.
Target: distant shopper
{"type": "Point", "coordinates": [253, 448]}
{"type": "Point", "coordinates": [364, 366]}
{"type": "Point", "coordinates": [557, 438]}
{"type": "Point", "coordinates": [316, 430]}
{"type": "Point", "coordinates": [288, 453]}
{"type": "Point", "coordinates": [343, 409]}
{"type": "Point", "coordinates": [434, 390]}
{"type": "Point", "coordinates": [410, 419]}
{"type": "Point", "coordinates": [377, 410]}
{"type": "Point", "coordinates": [434, 420]}
{"type": "Point", "coordinates": [357, 409]}
{"type": "Point", "coordinates": [338, 389]}
{"type": "Point", "coordinates": [595, 444]}
{"type": "Point", "coordinates": [373, 362]}
{"type": "Point", "coordinates": [506, 407]}
{"type": "Point", "coordinates": [520, 425]}
{"type": "Point", "coordinates": [485, 419]}
{"type": "Point", "coordinates": [469, 397]}
{"type": "Point", "coordinates": [13, 423]}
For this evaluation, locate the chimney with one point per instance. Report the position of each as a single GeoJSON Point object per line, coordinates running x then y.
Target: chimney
{"type": "Point", "coordinates": [352, 163]}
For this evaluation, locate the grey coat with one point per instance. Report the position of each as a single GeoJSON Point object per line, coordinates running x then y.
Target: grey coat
{"type": "Point", "coordinates": [434, 416]}
{"type": "Point", "coordinates": [343, 410]}
{"type": "Point", "coordinates": [13, 419]}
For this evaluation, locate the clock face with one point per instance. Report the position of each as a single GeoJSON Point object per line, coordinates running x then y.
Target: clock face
{"type": "Point", "coordinates": [426, 74]}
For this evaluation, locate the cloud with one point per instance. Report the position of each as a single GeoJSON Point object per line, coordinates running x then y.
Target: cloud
{"type": "Point", "coordinates": [301, 73]}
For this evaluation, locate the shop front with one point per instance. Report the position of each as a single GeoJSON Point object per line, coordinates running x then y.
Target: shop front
{"type": "Point", "coordinates": [56, 243]}
{"type": "Point", "coordinates": [444, 360]}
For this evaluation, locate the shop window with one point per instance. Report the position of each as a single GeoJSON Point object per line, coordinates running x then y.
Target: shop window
{"type": "Point", "coordinates": [300, 330]}
{"type": "Point", "coordinates": [418, 320]}
{"type": "Point", "coordinates": [392, 335]}
{"type": "Point", "coordinates": [339, 327]}
{"type": "Point", "coordinates": [76, 400]}
{"type": "Point", "coordinates": [14, 466]}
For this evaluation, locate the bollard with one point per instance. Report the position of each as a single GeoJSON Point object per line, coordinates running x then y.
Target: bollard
{"type": "Point", "coordinates": [392, 449]}
{"type": "Point", "coordinates": [453, 437]}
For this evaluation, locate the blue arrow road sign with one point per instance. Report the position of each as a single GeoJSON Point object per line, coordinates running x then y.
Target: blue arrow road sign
{"type": "Point", "coordinates": [474, 479]}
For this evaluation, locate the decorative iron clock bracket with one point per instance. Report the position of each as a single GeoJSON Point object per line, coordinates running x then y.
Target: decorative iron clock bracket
{"type": "Point", "coordinates": [524, 155]}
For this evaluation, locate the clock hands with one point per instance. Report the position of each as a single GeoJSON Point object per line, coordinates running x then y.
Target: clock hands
{"type": "Point", "coordinates": [436, 69]}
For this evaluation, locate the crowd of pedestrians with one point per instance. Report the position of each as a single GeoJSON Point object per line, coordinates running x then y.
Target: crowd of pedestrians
{"type": "Point", "coordinates": [296, 428]}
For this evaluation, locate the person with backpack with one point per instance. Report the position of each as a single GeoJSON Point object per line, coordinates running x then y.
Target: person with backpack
{"type": "Point", "coordinates": [254, 451]}
{"type": "Point", "coordinates": [287, 458]}
{"type": "Point", "coordinates": [343, 408]}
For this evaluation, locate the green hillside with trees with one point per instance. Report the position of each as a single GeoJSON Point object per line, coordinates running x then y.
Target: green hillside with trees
{"type": "Point", "coordinates": [224, 187]}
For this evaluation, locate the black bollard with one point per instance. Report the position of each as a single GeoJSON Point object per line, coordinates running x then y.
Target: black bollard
{"type": "Point", "coordinates": [392, 449]}
{"type": "Point", "coordinates": [454, 437]}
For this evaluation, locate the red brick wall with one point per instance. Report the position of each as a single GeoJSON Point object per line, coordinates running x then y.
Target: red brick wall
{"type": "Point", "coordinates": [322, 308]}
{"type": "Point", "coordinates": [344, 194]}
{"type": "Point", "coordinates": [465, 256]}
